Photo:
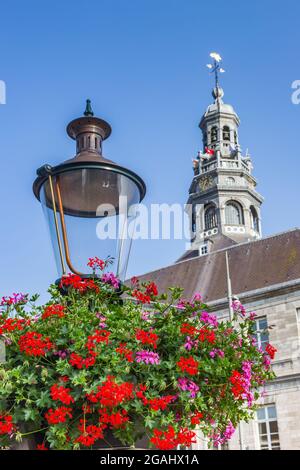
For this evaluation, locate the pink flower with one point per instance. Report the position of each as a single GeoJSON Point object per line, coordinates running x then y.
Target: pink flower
{"type": "Point", "coordinates": [102, 319]}
{"type": "Point", "coordinates": [220, 438]}
{"type": "Point", "coordinates": [238, 307]}
{"type": "Point", "coordinates": [181, 304]}
{"type": "Point", "coordinates": [247, 375]}
{"type": "Point", "coordinates": [252, 315]}
{"type": "Point", "coordinates": [110, 278]}
{"type": "Point", "coordinates": [188, 385]}
{"type": "Point", "coordinates": [148, 357]}
{"type": "Point", "coordinates": [189, 344]}
{"type": "Point", "coordinates": [15, 298]}
{"type": "Point", "coordinates": [210, 319]}
{"type": "Point", "coordinates": [266, 362]}
{"type": "Point", "coordinates": [145, 316]}
{"type": "Point", "coordinates": [229, 431]}
{"type": "Point", "coordinates": [216, 352]}
{"type": "Point", "coordinates": [197, 297]}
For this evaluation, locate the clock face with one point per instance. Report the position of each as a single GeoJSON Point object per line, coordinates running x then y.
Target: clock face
{"type": "Point", "coordinates": [206, 182]}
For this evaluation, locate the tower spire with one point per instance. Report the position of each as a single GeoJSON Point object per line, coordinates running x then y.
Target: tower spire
{"type": "Point", "coordinates": [223, 195]}
{"type": "Point", "coordinates": [215, 67]}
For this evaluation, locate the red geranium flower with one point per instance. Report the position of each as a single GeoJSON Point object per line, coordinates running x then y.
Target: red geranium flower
{"type": "Point", "coordinates": [186, 438]}
{"type": "Point", "coordinates": [117, 420]}
{"type": "Point", "coordinates": [11, 324]}
{"type": "Point", "coordinates": [96, 263]}
{"type": "Point", "coordinates": [111, 394]}
{"type": "Point", "coordinates": [164, 440]}
{"type": "Point", "coordinates": [188, 329]}
{"type": "Point", "coordinates": [77, 283]}
{"type": "Point", "coordinates": [134, 281]}
{"type": "Point", "coordinates": [58, 392]}
{"type": "Point", "coordinates": [78, 361]}
{"type": "Point", "coordinates": [100, 336]}
{"type": "Point", "coordinates": [124, 351]}
{"type": "Point", "coordinates": [205, 334]}
{"type": "Point", "coordinates": [6, 424]}
{"type": "Point", "coordinates": [237, 388]}
{"type": "Point", "coordinates": [196, 418]}
{"type": "Point", "coordinates": [151, 289]}
{"type": "Point", "coordinates": [41, 447]}
{"type": "Point", "coordinates": [188, 365]}
{"type": "Point", "coordinates": [54, 310]}
{"type": "Point", "coordinates": [167, 440]}
{"type": "Point", "coordinates": [141, 297]}
{"type": "Point", "coordinates": [147, 337]}
{"type": "Point", "coordinates": [34, 344]}
{"type": "Point", "coordinates": [90, 434]}
{"type": "Point", "coordinates": [140, 393]}
{"type": "Point", "coordinates": [271, 350]}
{"type": "Point", "coordinates": [157, 404]}
{"type": "Point", "coordinates": [59, 415]}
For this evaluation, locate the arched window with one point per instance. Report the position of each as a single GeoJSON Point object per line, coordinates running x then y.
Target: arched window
{"type": "Point", "coordinates": [210, 218]}
{"type": "Point", "coordinates": [226, 133]}
{"type": "Point", "coordinates": [235, 138]}
{"type": "Point", "coordinates": [214, 134]}
{"type": "Point", "coordinates": [254, 219]}
{"type": "Point", "coordinates": [193, 221]}
{"type": "Point", "coordinates": [233, 214]}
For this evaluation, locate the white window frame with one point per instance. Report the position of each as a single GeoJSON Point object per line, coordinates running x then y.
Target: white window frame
{"type": "Point", "coordinates": [258, 332]}
{"type": "Point", "coordinates": [267, 422]}
{"type": "Point", "coordinates": [205, 248]}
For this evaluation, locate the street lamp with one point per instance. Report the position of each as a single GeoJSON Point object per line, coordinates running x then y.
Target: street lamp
{"type": "Point", "coordinates": [89, 201]}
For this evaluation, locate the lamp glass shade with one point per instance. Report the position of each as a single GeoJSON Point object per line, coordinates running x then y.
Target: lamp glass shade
{"type": "Point", "coordinates": [90, 212]}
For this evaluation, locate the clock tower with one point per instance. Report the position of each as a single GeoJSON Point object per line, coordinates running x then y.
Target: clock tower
{"type": "Point", "coordinates": [223, 202]}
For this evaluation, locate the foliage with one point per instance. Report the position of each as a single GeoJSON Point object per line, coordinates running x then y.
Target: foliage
{"type": "Point", "coordinates": [91, 362]}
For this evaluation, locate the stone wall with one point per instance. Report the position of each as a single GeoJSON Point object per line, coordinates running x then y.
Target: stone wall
{"type": "Point", "coordinates": [284, 391]}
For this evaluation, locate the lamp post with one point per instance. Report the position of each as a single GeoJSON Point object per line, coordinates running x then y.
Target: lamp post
{"type": "Point", "coordinates": [89, 201]}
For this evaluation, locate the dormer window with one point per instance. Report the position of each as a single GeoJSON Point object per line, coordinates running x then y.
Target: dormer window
{"type": "Point", "coordinates": [226, 133]}
{"type": "Point", "coordinates": [203, 249]}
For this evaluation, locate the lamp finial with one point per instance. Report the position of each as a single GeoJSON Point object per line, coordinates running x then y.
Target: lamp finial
{"type": "Point", "coordinates": [88, 109]}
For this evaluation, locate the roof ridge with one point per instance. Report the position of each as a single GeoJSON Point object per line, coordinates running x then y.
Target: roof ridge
{"type": "Point", "coordinates": [255, 241]}
{"type": "Point", "coordinates": [224, 249]}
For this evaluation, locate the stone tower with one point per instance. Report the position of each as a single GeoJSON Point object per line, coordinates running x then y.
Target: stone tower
{"type": "Point", "coordinates": [224, 203]}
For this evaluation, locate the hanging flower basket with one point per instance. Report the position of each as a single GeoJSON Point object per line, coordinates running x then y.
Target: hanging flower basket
{"type": "Point", "coordinates": [86, 368]}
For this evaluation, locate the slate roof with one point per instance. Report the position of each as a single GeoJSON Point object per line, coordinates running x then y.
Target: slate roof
{"type": "Point", "coordinates": [253, 265]}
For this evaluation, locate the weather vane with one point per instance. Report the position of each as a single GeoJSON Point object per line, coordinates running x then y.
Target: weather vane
{"type": "Point", "coordinates": [215, 67]}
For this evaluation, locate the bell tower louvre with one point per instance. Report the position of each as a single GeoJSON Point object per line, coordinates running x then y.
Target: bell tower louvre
{"type": "Point", "coordinates": [224, 203]}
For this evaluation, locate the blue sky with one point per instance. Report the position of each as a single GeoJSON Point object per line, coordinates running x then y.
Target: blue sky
{"type": "Point", "coordinates": [142, 62]}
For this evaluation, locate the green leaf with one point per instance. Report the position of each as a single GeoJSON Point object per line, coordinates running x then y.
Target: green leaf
{"type": "Point", "coordinates": [30, 414]}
